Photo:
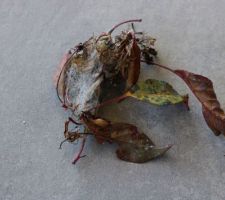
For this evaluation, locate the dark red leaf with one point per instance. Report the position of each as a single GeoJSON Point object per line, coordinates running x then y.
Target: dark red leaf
{"type": "Point", "coordinates": [134, 67]}
{"type": "Point", "coordinates": [60, 67]}
{"type": "Point", "coordinates": [59, 78]}
{"type": "Point", "coordinates": [202, 87]}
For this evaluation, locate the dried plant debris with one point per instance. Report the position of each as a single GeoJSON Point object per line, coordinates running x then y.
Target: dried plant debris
{"type": "Point", "coordinates": [105, 70]}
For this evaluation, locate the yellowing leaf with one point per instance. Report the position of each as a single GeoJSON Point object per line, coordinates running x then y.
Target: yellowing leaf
{"type": "Point", "coordinates": [155, 92]}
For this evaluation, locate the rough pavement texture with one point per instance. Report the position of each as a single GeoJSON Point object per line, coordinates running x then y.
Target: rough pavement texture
{"type": "Point", "coordinates": [33, 37]}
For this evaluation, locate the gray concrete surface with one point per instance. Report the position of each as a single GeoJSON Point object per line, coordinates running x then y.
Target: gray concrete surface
{"type": "Point", "coordinates": [33, 37]}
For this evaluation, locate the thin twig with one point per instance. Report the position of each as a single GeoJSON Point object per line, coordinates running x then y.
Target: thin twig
{"type": "Point", "coordinates": [72, 120]}
{"type": "Point", "coordinates": [60, 146]}
{"type": "Point", "coordinates": [116, 26]}
{"type": "Point", "coordinates": [76, 49]}
{"type": "Point", "coordinates": [159, 65]}
{"type": "Point", "coordinates": [57, 86]}
{"type": "Point", "coordinates": [78, 156]}
{"type": "Point", "coordinates": [110, 101]}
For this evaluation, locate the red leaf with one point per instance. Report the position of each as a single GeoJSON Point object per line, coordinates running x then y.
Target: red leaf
{"type": "Point", "coordinates": [59, 78]}
{"type": "Point", "coordinates": [60, 67]}
{"type": "Point", "coordinates": [202, 88]}
{"type": "Point", "coordinates": [134, 67]}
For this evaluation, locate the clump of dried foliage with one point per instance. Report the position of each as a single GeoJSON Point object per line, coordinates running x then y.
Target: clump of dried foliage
{"type": "Point", "coordinates": [104, 70]}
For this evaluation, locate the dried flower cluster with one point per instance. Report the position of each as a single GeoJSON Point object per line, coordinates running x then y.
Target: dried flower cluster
{"type": "Point", "coordinates": [105, 70]}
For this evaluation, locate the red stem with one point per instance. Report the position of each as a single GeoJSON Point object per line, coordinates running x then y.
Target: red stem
{"type": "Point", "coordinates": [132, 20]}
{"type": "Point", "coordinates": [57, 86]}
{"type": "Point", "coordinates": [110, 101]}
{"type": "Point", "coordinates": [159, 65]}
{"type": "Point", "coordinates": [78, 156]}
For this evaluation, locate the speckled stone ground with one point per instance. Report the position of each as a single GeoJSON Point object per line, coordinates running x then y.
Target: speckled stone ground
{"type": "Point", "coordinates": [33, 37]}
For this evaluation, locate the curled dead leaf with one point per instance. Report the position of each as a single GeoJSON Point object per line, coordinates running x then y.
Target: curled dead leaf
{"type": "Point", "coordinates": [134, 66]}
{"type": "Point", "coordinates": [134, 146]}
{"type": "Point", "coordinates": [202, 87]}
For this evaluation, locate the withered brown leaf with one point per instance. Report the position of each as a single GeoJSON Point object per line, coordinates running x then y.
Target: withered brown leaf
{"type": "Point", "coordinates": [134, 66]}
{"type": "Point", "coordinates": [134, 146]}
{"type": "Point", "coordinates": [203, 89]}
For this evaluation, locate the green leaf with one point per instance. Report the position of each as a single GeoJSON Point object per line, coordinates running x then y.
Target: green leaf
{"type": "Point", "coordinates": [156, 92]}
